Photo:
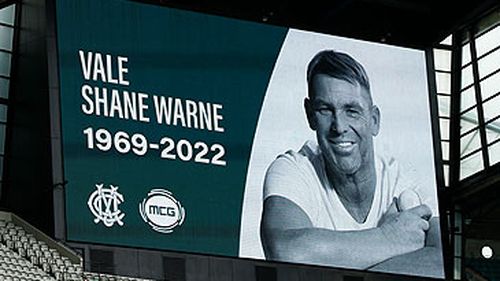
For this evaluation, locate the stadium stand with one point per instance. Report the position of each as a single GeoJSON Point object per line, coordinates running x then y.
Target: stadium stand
{"type": "Point", "coordinates": [489, 269]}
{"type": "Point", "coordinates": [473, 275]}
{"type": "Point", "coordinates": [29, 254]}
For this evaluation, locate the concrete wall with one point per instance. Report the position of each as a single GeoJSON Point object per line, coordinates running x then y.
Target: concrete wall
{"type": "Point", "coordinates": [28, 183]}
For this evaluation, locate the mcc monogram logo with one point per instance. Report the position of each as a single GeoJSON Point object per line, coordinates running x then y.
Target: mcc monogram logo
{"type": "Point", "coordinates": [103, 203]}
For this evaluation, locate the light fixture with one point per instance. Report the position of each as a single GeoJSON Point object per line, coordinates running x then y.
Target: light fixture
{"type": "Point", "coordinates": [487, 252]}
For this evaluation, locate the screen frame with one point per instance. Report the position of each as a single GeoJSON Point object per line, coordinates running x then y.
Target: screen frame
{"type": "Point", "coordinates": [59, 180]}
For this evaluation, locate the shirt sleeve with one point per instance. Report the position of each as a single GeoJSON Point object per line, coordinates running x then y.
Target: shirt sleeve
{"type": "Point", "coordinates": [290, 177]}
{"type": "Point", "coordinates": [407, 179]}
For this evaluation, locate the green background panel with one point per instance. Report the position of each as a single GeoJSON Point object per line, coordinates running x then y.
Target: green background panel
{"type": "Point", "coordinates": [171, 53]}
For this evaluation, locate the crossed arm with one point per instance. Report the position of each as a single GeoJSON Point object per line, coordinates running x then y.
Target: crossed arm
{"type": "Point", "coordinates": [288, 235]}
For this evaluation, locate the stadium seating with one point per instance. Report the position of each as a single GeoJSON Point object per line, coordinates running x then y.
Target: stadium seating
{"type": "Point", "coordinates": [28, 254]}
{"type": "Point", "coordinates": [490, 269]}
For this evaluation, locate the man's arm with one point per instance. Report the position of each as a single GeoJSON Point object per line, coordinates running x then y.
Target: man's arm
{"type": "Point", "coordinates": [433, 238]}
{"type": "Point", "coordinates": [288, 235]}
{"type": "Point", "coordinates": [427, 261]}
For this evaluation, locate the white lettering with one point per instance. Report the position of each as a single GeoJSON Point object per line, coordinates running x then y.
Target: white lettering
{"type": "Point", "coordinates": [101, 100]}
{"type": "Point", "coordinates": [122, 70]}
{"type": "Point", "coordinates": [123, 104]}
{"type": "Point", "coordinates": [88, 106]}
{"type": "Point", "coordinates": [99, 68]}
{"type": "Point", "coordinates": [130, 105]}
{"type": "Point", "coordinates": [188, 113]}
{"type": "Point", "coordinates": [143, 107]}
{"type": "Point", "coordinates": [179, 113]}
{"type": "Point", "coordinates": [205, 116]}
{"type": "Point", "coordinates": [85, 63]}
{"type": "Point", "coordinates": [94, 67]}
{"type": "Point", "coordinates": [116, 105]}
{"type": "Point", "coordinates": [191, 111]}
{"type": "Point", "coordinates": [109, 70]}
{"type": "Point", "coordinates": [217, 118]}
{"type": "Point", "coordinates": [162, 109]}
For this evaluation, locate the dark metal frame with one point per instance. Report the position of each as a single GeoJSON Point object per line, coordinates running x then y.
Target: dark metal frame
{"type": "Point", "coordinates": [10, 108]}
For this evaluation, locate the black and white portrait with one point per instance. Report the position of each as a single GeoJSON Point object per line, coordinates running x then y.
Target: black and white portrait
{"type": "Point", "coordinates": [342, 168]}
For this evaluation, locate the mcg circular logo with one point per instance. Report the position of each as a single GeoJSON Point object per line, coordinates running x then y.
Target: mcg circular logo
{"type": "Point", "coordinates": [161, 211]}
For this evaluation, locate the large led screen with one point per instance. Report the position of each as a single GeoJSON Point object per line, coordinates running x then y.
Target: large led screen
{"type": "Point", "coordinates": [196, 133]}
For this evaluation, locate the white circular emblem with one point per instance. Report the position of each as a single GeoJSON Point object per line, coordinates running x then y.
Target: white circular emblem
{"type": "Point", "coordinates": [103, 203]}
{"type": "Point", "coordinates": [161, 211]}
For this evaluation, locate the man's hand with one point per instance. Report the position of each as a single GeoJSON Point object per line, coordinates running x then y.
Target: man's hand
{"type": "Point", "coordinates": [406, 200]}
{"type": "Point", "coordinates": [406, 230]}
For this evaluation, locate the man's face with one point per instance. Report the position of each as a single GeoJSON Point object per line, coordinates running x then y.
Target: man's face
{"type": "Point", "coordinates": [345, 122]}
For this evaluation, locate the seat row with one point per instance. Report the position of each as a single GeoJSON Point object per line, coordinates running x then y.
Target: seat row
{"type": "Point", "coordinates": [24, 257]}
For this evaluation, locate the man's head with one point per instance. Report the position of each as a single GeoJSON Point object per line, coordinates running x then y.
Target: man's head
{"type": "Point", "coordinates": [340, 109]}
